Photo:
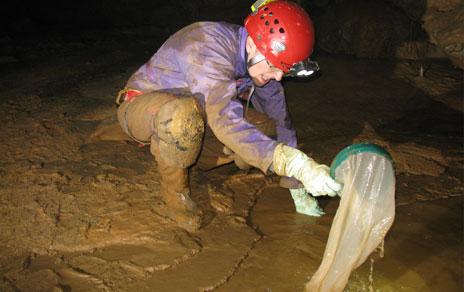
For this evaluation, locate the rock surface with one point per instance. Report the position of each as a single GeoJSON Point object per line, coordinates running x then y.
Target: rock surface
{"type": "Point", "coordinates": [404, 29]}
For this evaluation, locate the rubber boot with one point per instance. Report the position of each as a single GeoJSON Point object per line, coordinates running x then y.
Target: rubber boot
{"type": "Point", "coordinates": [176, 143]}
{"type": "Point", "coordinates": [176, 195]}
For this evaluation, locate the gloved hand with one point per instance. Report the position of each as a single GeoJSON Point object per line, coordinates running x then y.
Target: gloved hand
{"type": "Point", "coordinates": [305, 203]}
{"type": "Point", "coordinates": [315, 177]}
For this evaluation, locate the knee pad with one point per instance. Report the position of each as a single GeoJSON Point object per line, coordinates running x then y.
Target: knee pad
{"type": "Point", "coordinates": [179, 129]}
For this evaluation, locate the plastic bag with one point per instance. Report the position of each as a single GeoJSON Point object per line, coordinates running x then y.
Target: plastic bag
{"type": "Point", "coordinates": [365, 214]}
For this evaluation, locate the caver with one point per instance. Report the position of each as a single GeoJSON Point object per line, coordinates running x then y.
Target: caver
{"type": "Point", "coordinates": [212, 94]}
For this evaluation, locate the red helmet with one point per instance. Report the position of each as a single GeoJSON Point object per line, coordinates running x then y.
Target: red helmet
{"type": "Point", "coordinates": [282, 32]}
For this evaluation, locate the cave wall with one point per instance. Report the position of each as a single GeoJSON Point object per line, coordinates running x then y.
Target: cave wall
{"type": "Point", "coordinates": [365, 29]}
{"type": "Point", "coordinates": [56, 14]}
{"type": "Point", "coordinates": [444, 23]}
{"type": "Point", "coordinates": [405, 29]}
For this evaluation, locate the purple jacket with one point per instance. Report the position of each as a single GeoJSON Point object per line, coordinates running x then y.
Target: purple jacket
{"type": "Point", "coordinates": [207, 58]}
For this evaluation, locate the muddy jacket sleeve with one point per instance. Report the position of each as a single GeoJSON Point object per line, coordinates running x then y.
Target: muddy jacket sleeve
{"type": "Point", "coordinates": [213, 77]}
{"type": "Point", "coordinates": [270, 99]}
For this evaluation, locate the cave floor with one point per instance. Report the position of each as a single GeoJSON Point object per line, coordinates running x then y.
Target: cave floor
{"type": "Point", "coordinates": [81, 215]}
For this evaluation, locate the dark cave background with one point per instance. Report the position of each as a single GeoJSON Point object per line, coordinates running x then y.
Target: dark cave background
{"type": "Point", "coordinates": [402, 29]}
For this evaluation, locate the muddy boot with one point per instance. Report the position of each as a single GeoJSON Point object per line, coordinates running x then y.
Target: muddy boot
{"type": "Point", "coordinates": [176, 195]}
{"type": "Point", "coordinates": [179, 130]}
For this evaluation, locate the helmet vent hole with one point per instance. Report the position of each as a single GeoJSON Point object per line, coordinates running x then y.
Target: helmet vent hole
{"type": "Point", "coordinates": [270, 13]}
{"type": "Point", "coordinates": [267, 22]}
{"type": "Point", "coordinates": [276, 21]}
{"type": "Point", "coordinates": [266, 8]}
{"type": "Point", "coordinates": [261, 16]}
{"type": "Point", "coordinates": [271, 30]}
{"type": "Point", "coordinates": [281, 30]}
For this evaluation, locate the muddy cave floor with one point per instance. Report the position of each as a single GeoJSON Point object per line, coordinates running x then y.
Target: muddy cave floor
{"type": "Point", "coordinates": [78, 215]}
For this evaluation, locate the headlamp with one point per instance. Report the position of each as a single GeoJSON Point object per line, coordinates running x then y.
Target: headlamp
{"type": "Point", "coordinates": [303, 69]}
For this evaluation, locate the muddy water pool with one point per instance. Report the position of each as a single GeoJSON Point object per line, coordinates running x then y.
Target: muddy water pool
{"type": "Point", "coordinates": [423, 250]}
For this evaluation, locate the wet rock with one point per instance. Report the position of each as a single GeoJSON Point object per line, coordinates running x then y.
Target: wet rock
{"type": "Point", "coordinates": [408, 158]}
{"type": "Point", "coordinates": [362, 28]}
{"type": "Point", "coordinates": [438, 80]}
{"type": "Point", "coordinates": [42, 280]}
{"type": "Point", "coordinates": [84, 280]}
{"type": "Point", "coordinates": [404, 29]}
{"type": "Point", "coordinates": [445, 28]}
{"type": "Point", "coordinates": [221, 202]}
{"type": "Point", "coordinates": [443, 21]}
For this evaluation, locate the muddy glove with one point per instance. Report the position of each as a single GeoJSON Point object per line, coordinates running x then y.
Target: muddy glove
{"type": "Point", "coordinates": [305, 203]}
{"type": "Point", "coordinates": [315, 177]}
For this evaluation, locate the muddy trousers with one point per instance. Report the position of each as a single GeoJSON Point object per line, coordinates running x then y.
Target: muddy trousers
{"type": "Point", "coordinates": [174, 127]}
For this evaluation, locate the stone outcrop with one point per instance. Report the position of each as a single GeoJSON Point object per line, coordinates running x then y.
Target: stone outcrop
{"type": "Point", "coordinates": [445, 27]}
{"type": "Point", "coordinates": [404, 29]}
{"type": "Point", "coordinates": [366, 29]}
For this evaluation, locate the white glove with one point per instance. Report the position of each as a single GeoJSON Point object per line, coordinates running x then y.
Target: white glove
{"type": "Point", "coordinates": [315, 177]}
{"type": "Point", "coordinates": [305, 203]}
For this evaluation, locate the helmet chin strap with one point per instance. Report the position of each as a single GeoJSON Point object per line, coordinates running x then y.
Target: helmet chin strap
{"type": "Point", "coordinates": [255, 60]}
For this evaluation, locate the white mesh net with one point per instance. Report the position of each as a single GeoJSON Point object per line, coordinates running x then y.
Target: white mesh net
{"type": "Point", "coordinates": [365, 214]}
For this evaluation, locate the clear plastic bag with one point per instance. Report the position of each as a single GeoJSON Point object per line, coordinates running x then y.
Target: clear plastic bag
{"type": "Point", "coordinates": [364, 216]}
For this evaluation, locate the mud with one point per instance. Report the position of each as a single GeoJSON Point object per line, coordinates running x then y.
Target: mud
{"type": "Point", "coordinates": [82, 215]}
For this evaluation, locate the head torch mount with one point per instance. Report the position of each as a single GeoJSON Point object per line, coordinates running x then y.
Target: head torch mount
{"type": "Point", "coordinates": [303, 69]}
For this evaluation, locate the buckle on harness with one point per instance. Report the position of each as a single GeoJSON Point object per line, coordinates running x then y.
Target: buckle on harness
{"type": "Point", "coordinates": [127, 94]}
